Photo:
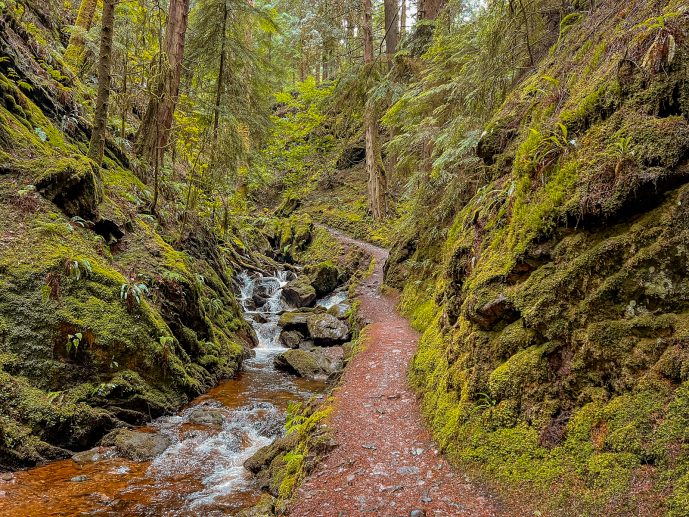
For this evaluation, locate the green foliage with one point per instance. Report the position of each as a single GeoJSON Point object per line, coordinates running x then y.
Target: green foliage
{"type": "Point", "coordinates": [306, 423]}
{"type": "Point", "coordinates": [133, 293]}
{"type": "Point", "coordinates": [74, 341]}
{"type": "Point", "coordinates": [41, 134]}
{"type": "Point", "coordinates": [298, 151]}
{"type": "Point", "coordinates": [76, 269]}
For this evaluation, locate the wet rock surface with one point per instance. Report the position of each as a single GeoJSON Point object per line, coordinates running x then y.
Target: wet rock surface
{"type": "Point", "coordinates": [299, 293]}
{"type": "Point", "coordinates": [136, 445]}
{"type": "Point", "coordinates": [291, 338]}
{"type": "Point", "coordinates": [304, 363]}
{"type": "Point", "coordinates": [326, 329]}
{"type": "Point", "coordinates": [208, 417]}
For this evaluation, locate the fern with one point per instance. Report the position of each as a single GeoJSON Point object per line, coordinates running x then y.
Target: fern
{"type": "Point", "coordinates": [77, 269]}
{"type": "Point", "coordinates": [133, 293]}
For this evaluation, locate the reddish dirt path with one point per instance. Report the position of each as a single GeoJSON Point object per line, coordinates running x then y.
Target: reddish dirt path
{"type": "Point", "coordinates": [385, 463]}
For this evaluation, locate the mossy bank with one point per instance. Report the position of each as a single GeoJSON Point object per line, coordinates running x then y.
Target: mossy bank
{"type": "Point", "coordinates": [554, 311]}
{"type": "Point", "coordinates": [109, 315]}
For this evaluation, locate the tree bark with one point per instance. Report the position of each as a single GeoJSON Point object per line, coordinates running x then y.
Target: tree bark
{"type": "Point", "coordinates": [75, 47]}
{"type": "Point", "coordinates": [429, 9]}
{"type": "Point", "coordinates": [100, 121]}
{"type": "Point", "coordinates": [161, 105]}
{"type": "Point", "coordinates": [376, 175]}
{"type": "Point", "coordinates": [403, 19]}
{"type": "Point", "coordinates": [392, 29]}
{"type": "Point", "coordinates": [221, 75]}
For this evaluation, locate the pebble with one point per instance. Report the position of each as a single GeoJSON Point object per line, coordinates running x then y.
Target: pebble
{"type": "Point", "coordinates": [417, 513]}
{"type": "Point", "coordinates": [79, 479]}
{"type": "Point", "coordinates": [408, 470]}
{"type": "Point", "coordinates": [7, 476]}
{"type": "Point", "coordinates": [369, 446]}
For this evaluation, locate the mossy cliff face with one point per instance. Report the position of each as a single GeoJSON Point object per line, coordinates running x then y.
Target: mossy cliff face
{"type": "Point", "coordinates": [106, 317]}
{"type": "Point", "coordinates": [554, 353]}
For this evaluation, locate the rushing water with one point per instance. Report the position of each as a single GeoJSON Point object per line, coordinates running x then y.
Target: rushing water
{"type": "Point", "coordinates": [201, 473]}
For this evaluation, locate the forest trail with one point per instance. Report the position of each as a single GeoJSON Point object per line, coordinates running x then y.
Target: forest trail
{"type": "Point", "coordinates": [385, 461]}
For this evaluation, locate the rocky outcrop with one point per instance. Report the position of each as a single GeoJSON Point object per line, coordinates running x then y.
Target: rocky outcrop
{"type": "Point", "coordinates": [555, 310]}
{"type": "Point", "coordinates": [136, 445]}
{"type": "Point", "coordinates": [266, 463]}
{"type": "Point", "coordinates": [324, 277]}
{"type": "Point", "coordinates": [299, 293]}
{"type": "Point", "coordinates": [73, 185]}
{"type": "Point", "coordinates": [326, 329]}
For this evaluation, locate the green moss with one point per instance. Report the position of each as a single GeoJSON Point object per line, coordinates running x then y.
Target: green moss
{"type": "Point", "coordinates": [511, 379]}
{"type": "Point", "coordinates": [307, 423]}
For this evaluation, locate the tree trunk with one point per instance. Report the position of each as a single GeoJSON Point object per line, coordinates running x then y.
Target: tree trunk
{"type": "Point", "coordinates": [75, 48]}
{"type": "Point", "coordinates": [526, 32]}
{"type": "Point", "coordinates": [221, 75]}
{"type": "Point", "coordinates": [161, 105]}
{"type": "Point", "coordinates": [392, 29]}
{"type": "Point", "coordinates": [376, 176]}
{"type": "Point", "coordinates": [429, 9]}
{"type": "Point", "coordinates": [324, 59]}
{"type": "Point", "coordinates": [403, 19]}
{"type": "Point", "coordinates": [100, 121]}
{"type": "Point", "coordinates": [125, 89]}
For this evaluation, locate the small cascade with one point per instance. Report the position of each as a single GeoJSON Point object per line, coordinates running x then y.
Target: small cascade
{"type": "Point", "coordinates": [334, 298]}
{"type": "Point", "coordinates": [261, 298]}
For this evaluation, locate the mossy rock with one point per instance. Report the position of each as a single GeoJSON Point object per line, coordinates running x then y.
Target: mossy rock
{"type": "Point", "coordinates": [303, 363]}
{"type": "Point", "coordinates": [72, 184]}
{"type": "Point", "coordinates": [299, 293]}
{"type": "Point", "coordinates": [324, 277]}
{"type": "Point", "coordinates": [136, 445]}
{"type": "Point", "coordinates": [326, 329]}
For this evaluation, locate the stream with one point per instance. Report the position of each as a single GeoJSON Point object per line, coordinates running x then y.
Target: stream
{"type": "Point", "coordinates": [201, 473]}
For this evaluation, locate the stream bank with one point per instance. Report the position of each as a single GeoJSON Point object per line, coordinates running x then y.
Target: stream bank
{"type": "Point", "coordinates": [197, 467]}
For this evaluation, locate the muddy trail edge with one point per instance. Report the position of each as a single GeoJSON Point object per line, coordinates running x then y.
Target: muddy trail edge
{"type": "Point", "coordinates": [385, 462]}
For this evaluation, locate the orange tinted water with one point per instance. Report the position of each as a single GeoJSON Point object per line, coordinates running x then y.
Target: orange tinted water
{"type": "Point", "coordinates": [116, 486]}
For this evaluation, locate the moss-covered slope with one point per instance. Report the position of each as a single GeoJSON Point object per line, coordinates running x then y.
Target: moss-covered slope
{"type": "Point", "coordinates": [106, 317]}
{"type": "Point", "coordinates": [554, 353]}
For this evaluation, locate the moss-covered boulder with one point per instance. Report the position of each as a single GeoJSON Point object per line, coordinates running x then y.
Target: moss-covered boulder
{"type": "Point", "coordinates": [303, 363]}
{"type": "Point", "coordinates": [294, 320]}
{"type": "Point", "coordinates": [290, 236]}
{"type": "Point", "coordinates": [299, 293]}
{"type": "Point", "coordinates": [324, 277]}
{"type": "Point", "coordinates": [73, 185]}
{"type": "Point", "coordinates": [267, 462]}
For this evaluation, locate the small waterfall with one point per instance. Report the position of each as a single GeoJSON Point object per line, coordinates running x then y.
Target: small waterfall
{"type": "Point", "coordinates": [261, 298]}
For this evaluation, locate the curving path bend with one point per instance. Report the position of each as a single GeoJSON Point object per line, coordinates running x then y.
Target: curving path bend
{"type": "Point", "coordinates": [386, 462]}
